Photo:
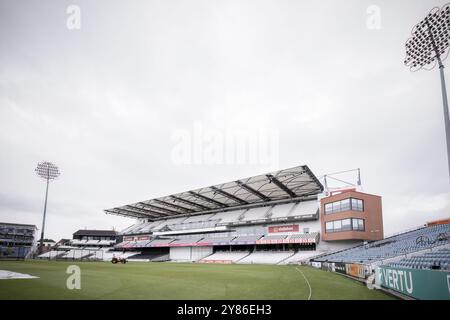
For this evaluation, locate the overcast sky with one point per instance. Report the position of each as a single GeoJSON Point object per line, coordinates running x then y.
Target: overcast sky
{"type": "Point", "coordinates": [138, 99]}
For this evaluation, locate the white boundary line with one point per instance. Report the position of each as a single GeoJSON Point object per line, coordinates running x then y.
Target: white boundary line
{"type": "Point", "coordinates": [310, 290]}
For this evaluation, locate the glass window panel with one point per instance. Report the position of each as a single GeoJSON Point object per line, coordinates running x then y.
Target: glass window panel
{"type": "Point", "coordinates": [355, 224]}
{"type": "Point", "coordinates": [346, 225]}
{"type": "Point", "coordinates": [336, 206]}
{"type": "Point", "coordinates": [337, 225]}
{"type": "Point", "coordinates": [361, 224]}
{"type": "Point", "coordinates": [329, 226]}
{"type": "Point", "coordinates": [328, 207]}
{"type": "Point", "coordinates": [345, 204]}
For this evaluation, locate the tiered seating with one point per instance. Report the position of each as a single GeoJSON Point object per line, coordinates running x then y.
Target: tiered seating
{"type": "Point", "coordinates": [131, 228]}
{"type": "Point", "coordinates": [226, 256]}
{"type": "Point", "coordinates": [77, 242]}
{"type": "Point", "coordinates": [255, 214]}
{"type": "Point", "coordinates": [227, 217]}
{"type": "Point", "coordinates": [168, 223]}
{"type": "Point", "coordinates": [77, 254]}
{"type": "Point", "coordinates": [198, 218]}
{"type": "Point", "coordinates": [105, 242]}
{"type": "Point", "coordinates": [274, 237]}
{"type": "Point", "coordinates": [138, 244]}
{"type": "Point", "coordinates": [53, 254]}
{"type": "Point", "coordinates": [305, 208]}
{"type": "Point", "coordinates": [187, 240]}
{"type": "Point", "coordinates": [108, 255]}
{"type": "Point", "coordinates": [193, 225]}
{"type": "Point", "coordinates": [147, 227]}
{"type": "Point", "coordinates": [269, 257]}
{"type": "Point", "coordinates": [161, 241]}
{"type": "Point", "coordinates": [281, 211]}
{"type": "Point", "coordinates": [439, 259]}
{"type": "Point", "coordinates": [218, 239]}
{"type": "Point", "coordinates": [277, 212]}
{"type": "Point", "coordinates": [420, 239]}
{"type": "Point", "coordinates": [247, 238]}
{"type": "Point", "coordinates": [311, 235]}
{"type": "Point", "coordinates": [149, 257]}
{"type": "Point", "coordinates": [301, 256]}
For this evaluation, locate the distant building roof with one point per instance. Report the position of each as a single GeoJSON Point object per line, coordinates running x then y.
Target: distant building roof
{"type": "Point", "coordinates": [18, 225]}
{"type": "Point", "coordinates": [100, 233]}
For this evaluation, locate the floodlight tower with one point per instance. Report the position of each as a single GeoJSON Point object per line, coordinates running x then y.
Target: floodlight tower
{"type": "Point", "coordinates": [428, 46]}
{"type": "Point", "coordinates": [47, 171]}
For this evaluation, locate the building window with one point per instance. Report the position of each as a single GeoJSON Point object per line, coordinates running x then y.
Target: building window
{"type": "Point", "coordinates": [350, 204]}
{"type": "Point", "coordinates": [344, 225]}
{"type": "Point", "coordinates": [337, 225]}
{"type": "Point", "coordinates": [357, 205]}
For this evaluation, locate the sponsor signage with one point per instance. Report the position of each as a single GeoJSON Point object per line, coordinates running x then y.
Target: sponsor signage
{"type": "Point", "coordinates": [285, 228]}
{"type": "Point", "coordinates": [339, 267]}
{"type": "Point", "coordinates": [298, 240]}
{"type": "Point", "coordinates": [316, 264]}
{"type": "Point", "coordinates": [418, 283]}
{"type": "Point", "coordinates": [216, 261]}
{"type": "Point", "coordinates": [143, 238]}
{"type": "Point", "coordinates": [356, 270]}
{"type": "Point", "coordinates": [128, 238]}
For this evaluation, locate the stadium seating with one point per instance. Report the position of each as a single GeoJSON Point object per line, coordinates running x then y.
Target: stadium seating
{"type": "Point", "coordinates": [281, 211]}
{"type": "Point", "coordinates": [138, 244]}
{"type": "Point", "coordinates": [217, 239]}
{"type": "Point", "coordinates": [226, 256]}
{"type": "Point", "coordinates": [267, 257]}
{"type": "Point", "coordinates": [108, 255]}
{"type": "Point", "coordinates": [274, 237]}
{"type": "Point", "coordinates": [198, 218]}
{"type": "Point", "coordinates": [186, 240]}
{"type": "Point", "coordinates": [76, 254]}
{"type": "Point", "coordinates": [146, 257]}
{"type": "Point", "coordinates": [161, 241]}
{"type": "Point", "coordinates": [227, 217]}
{"type": "Point", "coordinates": [168, 223]}
{"type": "Point", "coordinates": [277, 212]}
{"type": "Point", "coordinates": [301, 256]}
{"type": "Point", "coordinates": [305, 208]}
{"type": "Point", "coordinates": [401, 244]}
{"type": "Point", "coordinates": [53, 254]}
{"type": "Point", "coordinates": [256, 214]}
{"type": "Point", "coordinates": [193, 225]}
{"type": "Point", "coordinates": [251, 238]}
{"type": "Point", "coordinates": [438, 259]}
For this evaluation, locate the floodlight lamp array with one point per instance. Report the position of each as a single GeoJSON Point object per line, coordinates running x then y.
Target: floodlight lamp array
{"type": "Point", "coordinates": [430, 40]}
{"type": "Point", "coordinates": [47, 170]}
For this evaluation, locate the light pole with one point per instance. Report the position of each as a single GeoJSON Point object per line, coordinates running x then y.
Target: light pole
{"type": "Point", "coordinates": [47, 171]}
{"type": "Point", "coordinates": [427, 47]}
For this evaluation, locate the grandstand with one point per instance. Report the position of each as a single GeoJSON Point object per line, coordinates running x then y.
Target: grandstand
{"type": "Point", "coordinates": [95, 245]}
{"type": "Point", "coordinates": [435, 260]}
{"type": "Point", "coordinates": [16, 240]}
{"type": "Point", "coordinates": [269, 218]}
{"type": "Point", "coordinates": [423, 238]}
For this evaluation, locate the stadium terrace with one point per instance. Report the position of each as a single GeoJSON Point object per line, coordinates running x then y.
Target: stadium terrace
{"type": "Point", "coordinates": [269, 218]}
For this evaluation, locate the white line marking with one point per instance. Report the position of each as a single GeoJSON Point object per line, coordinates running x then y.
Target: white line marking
{"type": "Point", "coordinates": [310, 290]}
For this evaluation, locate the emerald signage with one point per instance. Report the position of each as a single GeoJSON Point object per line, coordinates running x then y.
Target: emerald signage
{"type": "Point", "coordinates": [418, 283]}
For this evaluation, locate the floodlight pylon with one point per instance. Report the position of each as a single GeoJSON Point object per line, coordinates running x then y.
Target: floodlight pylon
{"type": "Point", "coordinates": [48, 171]}
{"type": "Point", "coordinates": [428, 46]}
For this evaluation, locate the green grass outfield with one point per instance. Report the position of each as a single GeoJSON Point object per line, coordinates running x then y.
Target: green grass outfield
{"type": "Point", "coordinates": [103, 280]}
